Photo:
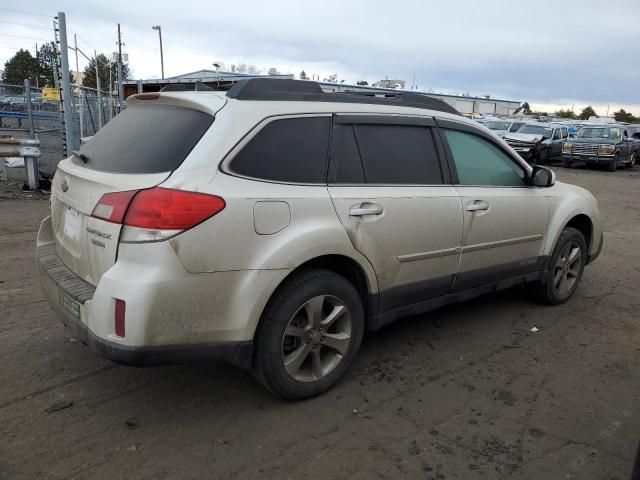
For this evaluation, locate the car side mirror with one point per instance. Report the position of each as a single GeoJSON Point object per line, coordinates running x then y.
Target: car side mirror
{"type": "Point", "coordinates": [543, 177]}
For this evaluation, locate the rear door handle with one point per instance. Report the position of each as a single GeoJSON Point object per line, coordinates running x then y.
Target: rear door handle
{"type": "Point", "coordinates": [366, 209]}
{"type": "Point", "coordinates": [477, 205]}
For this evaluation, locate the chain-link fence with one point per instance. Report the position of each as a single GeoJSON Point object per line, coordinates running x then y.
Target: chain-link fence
{"type": "Point", "coordinates": [91, 109]}
{"type": "Point", "coordinates": [41, 122]}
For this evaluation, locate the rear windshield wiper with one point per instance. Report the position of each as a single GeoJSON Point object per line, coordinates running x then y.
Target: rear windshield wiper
{"type": "Point", "coordinates": [81, 156]}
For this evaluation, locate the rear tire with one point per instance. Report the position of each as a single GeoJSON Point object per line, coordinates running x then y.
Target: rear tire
{"type": "Point", "coordinates": [565, 268]}
{"type": "Point", "coordinates": [308, 335]}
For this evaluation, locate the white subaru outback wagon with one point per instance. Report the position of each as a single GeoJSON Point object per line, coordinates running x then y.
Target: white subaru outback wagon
{"type": "Point", "coordinates": [271, 225]}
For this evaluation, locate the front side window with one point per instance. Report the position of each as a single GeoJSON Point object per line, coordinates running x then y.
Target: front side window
{"type": "Point", "coordinates": [292, 150]}
{"type": "Point", "coordinates": [556, 134]}
{"type": "Point", "coordinates": [480, 162]}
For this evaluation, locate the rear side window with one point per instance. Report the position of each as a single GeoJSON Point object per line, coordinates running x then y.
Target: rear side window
{"type": "Point", "coordinates": [288, 150]}
{"type": "Point", "coordinates": [385, 154]}
{"type": "Point", "coordinates": [146, 139]}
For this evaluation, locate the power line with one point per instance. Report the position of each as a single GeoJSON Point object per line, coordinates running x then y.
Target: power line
{"type": "Point", "coordinates": [24, 36]}
{"type": "Point", "coordinates": [25, 25]}
{"type": "Point", "coordinates": [26, 13]}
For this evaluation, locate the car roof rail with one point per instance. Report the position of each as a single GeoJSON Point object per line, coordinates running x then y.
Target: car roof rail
{"type": "Point", "coordinates": [280, 89]}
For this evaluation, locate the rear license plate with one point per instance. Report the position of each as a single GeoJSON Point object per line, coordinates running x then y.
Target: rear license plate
{"type": "Point", "coordinates": [72, 223]}
{"type": "Point", "coordinates": [69, 304]}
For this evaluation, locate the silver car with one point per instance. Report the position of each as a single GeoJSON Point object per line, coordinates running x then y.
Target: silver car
{"type": "Point", "coordinates": [272, 225]}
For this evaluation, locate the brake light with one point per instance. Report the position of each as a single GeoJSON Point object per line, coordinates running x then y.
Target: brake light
{"type": "Point", "coordinates": [167, 209]}
{"type": "Point", "coordinates": [157, 213]}
{"type": "Point", "coordinates": [113, 206]}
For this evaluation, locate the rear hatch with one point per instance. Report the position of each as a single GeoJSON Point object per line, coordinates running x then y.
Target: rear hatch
{"type": "Point", "coordinates": [137, 150]}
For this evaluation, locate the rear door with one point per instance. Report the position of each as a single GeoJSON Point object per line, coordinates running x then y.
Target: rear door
{"type": "Point", "coordinates": [391, 193]}
{"type": "Point", "coordinates": [138, 149]}
{"type": "Point", "coordinates": [505, 220]}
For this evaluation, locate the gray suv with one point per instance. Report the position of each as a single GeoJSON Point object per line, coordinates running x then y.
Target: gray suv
{"type": "Point", "coordinates": [273, 224]}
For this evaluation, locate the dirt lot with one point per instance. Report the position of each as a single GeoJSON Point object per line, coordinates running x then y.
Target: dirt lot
{"type": "Point", "coordinates": [468, 391]}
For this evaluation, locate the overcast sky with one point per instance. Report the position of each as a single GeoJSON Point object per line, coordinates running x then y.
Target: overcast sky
{"type": "Point", "coordinates": [551, 53]}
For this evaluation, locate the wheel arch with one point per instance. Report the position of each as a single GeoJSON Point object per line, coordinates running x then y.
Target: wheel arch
{"type": "Point", "coordinates": [582, 223]}
{"type": "Point", "coordinates": [360, 276]}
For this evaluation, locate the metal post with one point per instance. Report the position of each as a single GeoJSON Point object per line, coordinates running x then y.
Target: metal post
{"type": "Point", "coordinates": [30, 163]}
{"type": "Point", "coordinates": [27, 98]}
{"type": "Point", "coordinates": [120, 86]}
{"type": "Point", "coordinates": [110, 90]}
{"type": "Point", "coordinates": [95, 56]}
{"type": "Point", "coordinates": [80, 102]}
{"type": "Point", "coordinates": [70, 143]}
{"type": "Point", "coordinates": [159, 28]}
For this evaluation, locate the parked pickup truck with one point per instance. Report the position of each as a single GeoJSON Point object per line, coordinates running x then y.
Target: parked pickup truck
{"type": "Point", "coordinates": [538, 142]}
{"type": "Point", "coordinates": [608, 145]}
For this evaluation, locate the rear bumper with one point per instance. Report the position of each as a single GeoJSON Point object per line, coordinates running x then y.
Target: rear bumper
{"type": "Point", "coordinates": [77, 304]}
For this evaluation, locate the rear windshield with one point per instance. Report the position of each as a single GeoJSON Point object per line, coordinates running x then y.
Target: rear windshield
{"type": "Point", "coordinates": [497, 125]}
{"type": "Point", "coordinates": [146, 139]}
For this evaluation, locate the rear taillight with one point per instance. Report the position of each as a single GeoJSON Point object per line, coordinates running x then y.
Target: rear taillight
{"type": "Point", "coordinates": [157, 213]}
{"type": "Point", "coordinates": [113, 206]}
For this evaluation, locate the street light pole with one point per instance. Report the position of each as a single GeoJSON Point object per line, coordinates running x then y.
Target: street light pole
{"type": "Point", "coordinates": [159, 28]}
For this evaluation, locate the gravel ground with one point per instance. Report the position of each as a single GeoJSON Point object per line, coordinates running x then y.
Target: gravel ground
{"type": "Point", "coordinates": [468, 391]}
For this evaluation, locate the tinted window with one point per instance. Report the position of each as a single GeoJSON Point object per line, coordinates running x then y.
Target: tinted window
{"type": "Point", "coordinates": [556, 134]}
{"type": "Point", "coordinates": [146, 139]}
{"type": "Point", "coordinates": [398, 154]}
{"type": "Point", "coordinates": [288, 150]}
{"type": "Point", "coordinates": [346, 162]}
{"type": "Point", "coordinates": [515, 127]}
{"type": "Point", "coordinates": [480, 162]}
{"type": "Point", "coordinates": [564, 132]}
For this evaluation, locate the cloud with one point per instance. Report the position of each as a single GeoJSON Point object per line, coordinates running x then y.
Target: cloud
{"type": "Point", "coordinates": [545, 51]}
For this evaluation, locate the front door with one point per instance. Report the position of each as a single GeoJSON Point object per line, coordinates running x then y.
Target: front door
{"type": "Point", "coordinates": [386, 182]}
{"type": "Point", "coordinates": [505, 220]}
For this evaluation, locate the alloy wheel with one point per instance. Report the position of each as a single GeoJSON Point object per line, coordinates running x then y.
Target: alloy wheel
{"type": "Point", "coordinates": [316, 338]}
{"type": "Point", "coordinates": [567, 268]}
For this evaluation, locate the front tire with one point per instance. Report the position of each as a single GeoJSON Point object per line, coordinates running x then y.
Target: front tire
{"type": "Point", "coordinates": [613, 164]}
{"type": "Point", "coordinates": [565, 268]}
{"type": "Point", "coordinates": [567, 163]}
{"type": "Point", "coordinates": [632, 161]}
{"type": "Point", "coordinates": [308, 335]}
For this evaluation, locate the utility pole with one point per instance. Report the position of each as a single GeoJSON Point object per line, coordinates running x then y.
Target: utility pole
{"type": "Point", "coordinates": [159, 28]}
{"type": "Point", "coordinates": [120, 86]}
{"type": "Point", "coordinates": [70, 141]}
{"type": "Point", "coordinates": [99, 93]}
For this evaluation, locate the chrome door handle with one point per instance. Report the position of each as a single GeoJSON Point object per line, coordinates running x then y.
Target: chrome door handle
{"type": "Point", "coordinates": [366, 210]}
{"type": "Point", "coordinates": [474, 207]}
